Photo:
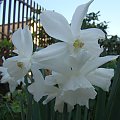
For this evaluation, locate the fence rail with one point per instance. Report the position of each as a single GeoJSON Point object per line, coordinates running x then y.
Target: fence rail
{"type": "Point", "coordinates": [19, 13]}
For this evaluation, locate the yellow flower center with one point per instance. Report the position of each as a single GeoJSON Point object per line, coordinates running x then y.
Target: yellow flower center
{"type": "Point", "coordinates": [78, 44]}
{"type": "Point", "coordinates": [20, 64]}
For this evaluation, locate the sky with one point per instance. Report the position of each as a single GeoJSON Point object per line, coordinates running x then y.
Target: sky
{"type": "Point", "coordinates": [109, 10]}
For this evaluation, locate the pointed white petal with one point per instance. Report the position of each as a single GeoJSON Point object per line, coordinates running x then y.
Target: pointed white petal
{"type": "Point", "coordinates": [12, 85]}
{"type": "Point", "coordinates": [5, 76]}
{"type": "Point", "coordinates": [78, 17]}
{"type": "Point", "coordinates": [56, 64]}
{"type": "Point", "coordinates": [50, 52]}
{"type": "Point", "coordinates": [37, 75]}
{"type": "Point", "coordinates": [56, 25]}
{"type": "Point", "coordinates": [28, 41]}
{"type": "Point", "coordinates": [10, 80]}
{"type": "Point", "coordinates": [37, 87]}
{"type": "Point", "coordinates": [101, 77]}
{"type": "Point", "coordinates": [93, 64]}
{"type": "Point", "coordinates": [37, 90]}
{"type": "Point", "coordinates": [18, 40]}
{"type": "Point", "coordinates": [90, 39]}
{"type": "Point", "coordinates": [22, 40]}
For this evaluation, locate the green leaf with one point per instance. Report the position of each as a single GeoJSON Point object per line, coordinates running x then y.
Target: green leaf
{"type": "Point", "coordinates": [113, 106]}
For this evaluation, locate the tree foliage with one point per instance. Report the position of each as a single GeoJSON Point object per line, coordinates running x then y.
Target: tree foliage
{"type": "Point", "coordinates": [111, 45]}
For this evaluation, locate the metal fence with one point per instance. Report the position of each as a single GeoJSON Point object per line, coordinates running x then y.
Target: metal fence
{"type": "Point", "coordinates": [19, 13]}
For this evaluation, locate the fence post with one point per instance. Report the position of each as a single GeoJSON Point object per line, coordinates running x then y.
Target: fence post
{"type": "Point", "coordinates": [23, 12]}
{"type": "Point", "coordinates": [3, 20]}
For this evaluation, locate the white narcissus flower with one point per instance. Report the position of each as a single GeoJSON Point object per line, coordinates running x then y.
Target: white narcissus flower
{"type": "Point", "coordinates": [77, 85]}
{"type": "Point", "coordinates": [19, 66]}
{"type": "Point", "coordinates": [39, 88]}
{"type": "Point", "coordinates": [6, 78]}
{"type": "Point", "coordinates": [78, 73]}
{"type": "Point", "coordinates": [76, 39]}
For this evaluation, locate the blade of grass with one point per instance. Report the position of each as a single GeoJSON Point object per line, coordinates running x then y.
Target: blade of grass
{"type": "Point", "coordinates": [10, 111]}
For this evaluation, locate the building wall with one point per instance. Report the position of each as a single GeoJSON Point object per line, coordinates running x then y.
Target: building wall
{"type": "Point", "coordinates": [6, 33]}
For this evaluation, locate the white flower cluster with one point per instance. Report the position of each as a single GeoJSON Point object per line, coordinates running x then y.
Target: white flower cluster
{"type": "Point", "coordinates": [74, 61]}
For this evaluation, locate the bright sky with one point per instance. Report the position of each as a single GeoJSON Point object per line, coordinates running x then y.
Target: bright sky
{"type": "Point", "coordinates": [109, 10]}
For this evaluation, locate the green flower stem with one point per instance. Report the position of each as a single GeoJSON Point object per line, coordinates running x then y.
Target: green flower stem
{"type": "Point", "coordinates": [22, 110]}
{"type": "Point", "coordinates": [52, 111]}
{"type": "Point", "coordinates": [65, 113]}
{"type": "Point", "coordinates": [85, 114]}
{"type": "Point", "coordinates": [59, 116]}
{"type": "Point", "coordinates": [70, 116]}
{"type": "Point", "coordinates": [36, 111]}
{"type": "Point", "coordinates": [78, 113]}
{"type": "Point", "coordinates": [29, 102]}
{"type": "Point", "coordinates": [100, 105]}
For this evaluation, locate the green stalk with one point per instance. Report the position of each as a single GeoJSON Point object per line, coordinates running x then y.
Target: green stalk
{"type": "Point", "coordinates": [78, 113]}
{"type": "Point", "coordinates": [100, 105]}
{"type": "Point", "coordinates": [65, 113]}
{"type": "Point", "coordinates": [29, 101]}
{"type": "Point", "coordinates": [52, 111]}
{"type": "Point", "coordinates": [22, 110]}
{"type": "Point", "coordinates": [70, 116]}
{"type": "Point", "coordinates": [36, 111]}
{"type": "Point", "coordinates": [43, 111]}
{"type": "Point", "coordinates": [85, 114]}
{"type": "Point", "coordinates": [59, 116]}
